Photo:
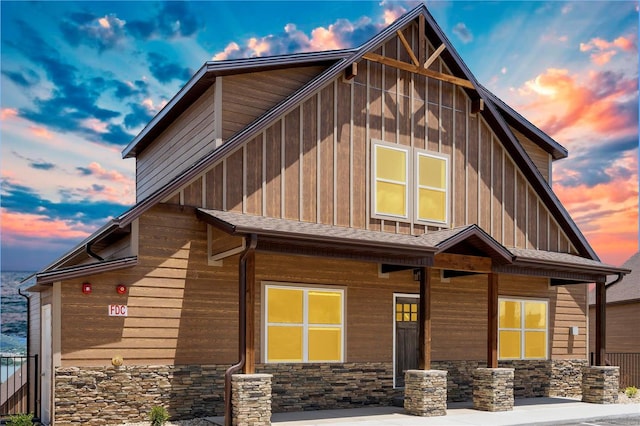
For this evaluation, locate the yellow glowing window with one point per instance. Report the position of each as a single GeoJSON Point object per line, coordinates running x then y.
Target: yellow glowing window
{"type": "Point", "coordinates": [406, 312]}
{"type": "Point", "coordinates": [304, 324]}
{"type": "Point", "coordinates": [522, 329]}
{"type": "Point", "coordinates": [391, 167]}
{"type": "Point", "coordinates": [432, 202]}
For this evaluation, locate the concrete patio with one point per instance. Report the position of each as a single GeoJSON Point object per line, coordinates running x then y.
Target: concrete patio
{"type": "Point", "coordinates": [538, 411]}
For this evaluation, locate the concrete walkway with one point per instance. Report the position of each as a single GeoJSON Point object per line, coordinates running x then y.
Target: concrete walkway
{"type": "Point", "coordinates": [532, 411]}
{"type": "Point", "coordinates": [526, 411]}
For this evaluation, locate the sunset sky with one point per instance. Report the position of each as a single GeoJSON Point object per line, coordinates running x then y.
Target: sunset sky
{"type": "Point", "coordinates": [80, 79]}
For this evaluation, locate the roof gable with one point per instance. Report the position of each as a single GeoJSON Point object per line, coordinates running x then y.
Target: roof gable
{"type": "Point", "coordinates": [629, 288]}
{"type": "Point", "coordinates": [339, 62]}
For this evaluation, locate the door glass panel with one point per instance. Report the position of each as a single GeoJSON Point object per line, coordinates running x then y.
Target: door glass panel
{"type": "Point", "coordinates": [509, 314]}
{"type": "Point", "coordinates": [509, 344]}
{"type": "Point", "coordinates": [325, 307]}
{"type": "Point", "coordinates": [535, 315]}
{"type": "Point", "coordinates": [285, 305]}
{"type": "Point", "coordinates": [535, 344]}
{"type": "Point", "coordinates": [285, 344]}
{"type": "Point", "coordinates": [325, 344]}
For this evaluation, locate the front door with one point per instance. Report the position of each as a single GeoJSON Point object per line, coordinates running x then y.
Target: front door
{"type": "Point", "coordinates": [406, 329]}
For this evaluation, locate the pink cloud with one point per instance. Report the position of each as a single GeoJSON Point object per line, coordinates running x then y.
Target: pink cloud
{"type": "Point", "coordinates": [16, 226]}
{"type": "Point", "coordinates": [604, 50]}
{"type": "Point", "coordinates": [8, 113]}
{"type": "Point", "coordinates": [40, 132]}
{"type": "Point", "coordinates": [95, 169]}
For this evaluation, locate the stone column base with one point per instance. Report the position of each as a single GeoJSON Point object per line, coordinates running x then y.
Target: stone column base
{"type": "Point", "coordinates": [600, 384]}
{"type": "Point", "coordinates": [251, 399]}
{"type": "Point", "coordinates": [425, 392]}
{"type": "Point", "coordinates": [493, 389]}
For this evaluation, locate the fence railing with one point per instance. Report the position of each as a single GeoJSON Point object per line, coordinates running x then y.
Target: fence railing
{"type": "Point", "coordinates": [19, 385]}
{"type": "Point", "coordinates": [629, 364]}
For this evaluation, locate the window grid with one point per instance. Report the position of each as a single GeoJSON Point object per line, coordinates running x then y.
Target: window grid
{"type": "Point", "coordinates": [444, 189]}
{"type": "Point", "coordinates": [404, 184]}
{"type": "Point", "coordinates": [523, 330]}
{"type": "Point", "coordinates": [305, 321]}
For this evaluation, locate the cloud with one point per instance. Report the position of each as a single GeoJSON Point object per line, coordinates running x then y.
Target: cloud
{"type": "Point", "coordinates": [463, 33]}
{"type": "Point", "coordinates": [174, 19]}
{"type": "Point", "coordinates": [75, 211]}
{"type": "Point", "coordinates": [165, 71]}
{"type": "Point", "coordinates": [8, 113]}
{"type": "Point", "coordinates": [40, 132]}
{"type": "Point", "coordinates": [96, 170]}
{"type": "Point", "coordinates": [341, 34]}
{"type": "Point", "coordinates": [602, 50]}
{"type": "Point", "coordinates": [38, 164]}
{"type": "Point", "coordinates": [25, 78]}
{"type": "Point", "coordinates": [99, 32]}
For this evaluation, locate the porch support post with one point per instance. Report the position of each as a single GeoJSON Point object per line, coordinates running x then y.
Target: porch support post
{"type": "Point", "coordinates": [424, 325]}
{"type": "Point", "coordinates": [250, 310]}
{"type": "Point", "coordinates": [601, 323]}
{"type": "Point", "coordinates": [492, 321]}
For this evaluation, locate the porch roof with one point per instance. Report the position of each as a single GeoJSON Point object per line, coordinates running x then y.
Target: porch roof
{"type": "Point", "coordinates": [295, 237]}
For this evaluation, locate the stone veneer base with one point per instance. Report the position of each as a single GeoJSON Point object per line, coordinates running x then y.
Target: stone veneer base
{"type": "Point", "coordinates": [600, 384]}
{"type": "Point", "coordinates": [493, 389]}
{"type": "Point", "coordinates": [425, 392]}
{"type": "Point", "coordinates": [251, 399]}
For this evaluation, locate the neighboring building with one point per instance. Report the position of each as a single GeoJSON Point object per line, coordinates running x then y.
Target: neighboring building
{"type": "Point", "coordinates": [337, 186]}
{"type": "Point", "coordinates": [622, 330]}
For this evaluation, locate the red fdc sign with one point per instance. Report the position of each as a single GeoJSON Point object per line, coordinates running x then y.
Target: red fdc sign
{"type": "Point", "coordinates": [117, 310]}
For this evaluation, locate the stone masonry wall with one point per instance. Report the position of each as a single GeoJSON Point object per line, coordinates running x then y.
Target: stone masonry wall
{"type": "Point", "coordinates": [425, 392]}
{"type": "Point", "coordinates": [566, 378]}
{"type": "Point", "coordinates": [493, 389]}
{"type": "Point", "coordinates": [600, 384]}
{"type": "Point", "coordinates": [108, 395]}
{"type": "Point", "coordinates": [301, 387]}
{"type": "Point", "coordinates": [531, 377]}
{"type": "Point", "coordinates": [251, 399]}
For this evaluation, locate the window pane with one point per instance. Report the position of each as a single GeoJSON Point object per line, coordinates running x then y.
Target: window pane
{"type": "Point", "coordinates": [432, 205]}
{"type": "Point", "coordinates": [399, 316]}
{"type": "Point", "coordinates": [509, 314]}
{"type": "Point", "coordinates": [414, 307]}
{"type": "Point", "coordinates": [285, 305]}
{"type": "Point", "coordinates": [535, 315]}
{"type": "Point", "coordinates": [391, 199]}
{"type": "Point", "coordinates": [509, 344]}
{"type": "Point", "coordinates": [285, 344]}
{"type": "Point", "coordinates": [414, 317]}
{"type": "Point", "coordinates": [535, 344]}
{"type": "Point", "coordinates": [398, 307]}
{"type": "Point", "coordinates": [432, 171]}
{"type": "Point", "coordinates": [325, 307]}
{"type": "Point", "coordinates": [391, 164]}
{"type": "Point", "coordinates": [325, 344]}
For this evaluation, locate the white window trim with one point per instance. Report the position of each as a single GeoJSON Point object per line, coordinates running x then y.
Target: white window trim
{"type": "Point", "coordinates": [522, 328]}
{"type": "Point", "coordinates": [305, 325]}
{"type": "Point", "coordinates": [407, 184]}
{"type": "Point", "coordinates": [447, 189]}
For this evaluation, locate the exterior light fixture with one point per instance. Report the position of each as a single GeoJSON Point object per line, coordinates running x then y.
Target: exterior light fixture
{"type": "Point", "coordinates": [86, 288]}
{"type": "Point", "coordinates": [121, 289]}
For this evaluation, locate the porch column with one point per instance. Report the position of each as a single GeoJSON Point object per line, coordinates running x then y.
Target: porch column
{"type": "Point", "coordinates": [601, 323]}
{"type": "Point", "coordinates": [492, 321]}
{"type": "Point", "coordinates": [424, 325]}
{"type": "Point", "coordinates": [250, 310]}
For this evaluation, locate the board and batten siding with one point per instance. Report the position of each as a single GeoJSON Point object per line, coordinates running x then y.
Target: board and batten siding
{"type": "Point", "coordinates": [314, 163]}
{"type": "Point", "coordinates": [623, 334]}
{"type": "Point", "coordinates": [541, 158]}
{"type": "Point", "coordinates": [188, 138]}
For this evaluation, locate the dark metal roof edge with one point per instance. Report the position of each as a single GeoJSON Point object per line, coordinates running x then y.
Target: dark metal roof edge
{"type": "Point", "coordinates": [544, 263]}
{"type": "Point", "coordinates": [542, 184]}
{"type": "Point", "coordinates": [87, 269]}
{"type": "Point", "coordinates": [552, 146]}
{"type": "Point", "coordinates": [99, 234]}
{"type": "Point", "coordinates": [213, 68]}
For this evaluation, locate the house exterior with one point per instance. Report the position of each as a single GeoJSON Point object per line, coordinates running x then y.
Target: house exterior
{"type": "Point", "coordinates": [323, 223]}
{"type": "Point", "coordinates": [623, 311]}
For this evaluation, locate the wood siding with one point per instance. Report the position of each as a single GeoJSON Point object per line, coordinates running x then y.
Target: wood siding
{"type": "Point", "coordinates": [188, 138]}
{"type": "Point", "coordinates": [314, 163]}
{"type": "Point", "coordinates": [246, 97]}
{"type": "Point", "coordinates": [539, 156]}
{"type": "Point", "coordinates": [183, 311]}
{"type": "Point", "coordinates": [623, 334]}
